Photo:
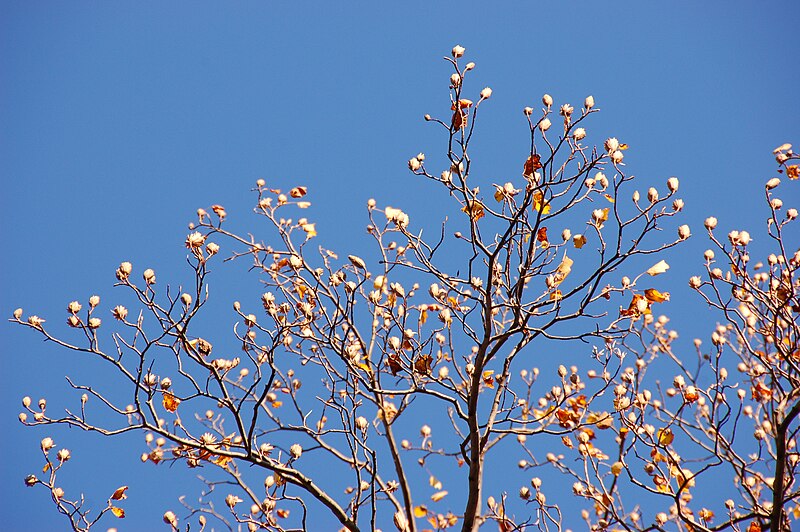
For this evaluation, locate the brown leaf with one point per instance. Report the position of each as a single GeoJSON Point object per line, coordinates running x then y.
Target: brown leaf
{"type": "Point", "coordinates": [394, 364]}
{"type": "Point", "coordinates": [423, 364]}
{"type": "Point", "coordinates": [532, 164]}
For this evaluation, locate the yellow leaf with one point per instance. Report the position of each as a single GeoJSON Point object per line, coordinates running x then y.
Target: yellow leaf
{"type": "Point", "coordinates": [539, 204]}
{"type": "Point", "coordinates": [438, 496]}
{"type": "Point", "coordinates": [119, 512]}
{"type": "Point", "coordinates": [434, 483]}
{"type": "Point", "coordinates": [46, 467]}
{"type": "Point", "coordinates": [474, 209]}
{"type": "Point", "coordinates": [623, 146]}
{"type": "Point", "coordinates": [310, 229]}
{"type": "Point", "coordinates": [420, 511]}
{"type": "Point", "coordinates": [423, 317]}
{"type": "Point", "coordinates": [223, 461]}
{"type": "Point", "coordinates": [498, 193]}
{"type": "Point", "coordinates": [665, 436]}
{"type": "Point", "coordinates": [579, 241]}
{"type": "Point", "coordinates": [658, 268]}
{"type": "Point", "coordinates": [170, 402]}
{"type": "Point", "coordinates": [119, 493]}
{"type": "Point", "coordinates": [609, 197]}
{"type": "Point", "coordinates": [655, 296]}
{"type": "Point", "coordinates": [555, 295]}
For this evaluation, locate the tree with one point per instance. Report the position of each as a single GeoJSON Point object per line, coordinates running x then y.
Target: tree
{"type": "Point", "coordinates": [351, 354]}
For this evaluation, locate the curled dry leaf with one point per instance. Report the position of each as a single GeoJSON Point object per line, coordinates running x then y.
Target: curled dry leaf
{"type": "Point", "coordinates": [119, 493]}
{"type": "Point", "coordinates": [658, 268]}
{"type": "Point", "coordinates": [119, 512]}
{"type": "Point", "coordinates": [438, 496]}
{"type": "Point", "coordinates": [532, 163]}
{"type": "Point", "coordinates": [422, 364]}
{"type": "Point", "coordinates": [654, 296]}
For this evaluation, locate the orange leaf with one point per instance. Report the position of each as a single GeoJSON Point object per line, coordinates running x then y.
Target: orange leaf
{"type": "Point", "coordinates": [654, 296]}
{"type": "Point", "coordinates": [119, 493]}
{"type": "Point", "coordinates": [223, 461]}
{"type": "Point", "coordinates": [171, 402]}
{"type": "Point", "coordinates": [623, 146]}
{"type": "Point", "coordinates": [459, 119]}
{"type": "Point", "coordinates": [541, 234]}
{"type": "Point", "coordinates": [119, 512]}
{"type": "Point", "coordinates": [420, 511]}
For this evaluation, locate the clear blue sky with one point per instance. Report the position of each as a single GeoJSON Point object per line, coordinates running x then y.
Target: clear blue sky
{"type": "Point", "coordinates": [120, 119]}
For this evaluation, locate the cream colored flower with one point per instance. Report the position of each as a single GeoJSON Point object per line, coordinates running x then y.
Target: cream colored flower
{"type": "Point", "coordinates": [672, 184]}
{"type": "Point", "coordinates": [35, 321]}
{"type": "Point", "coordinates": [545, 124]}
{"type": "Point", "coordinates": [710, 223]}
{"type": "Point", "coordinates": [684, 232]}
{"type": "Point", "coordinates": [74, 307]}
{"type": "Point", "coordinates": [296, 451]}
{"type": "Point", "coordinates": [579, 133]}
{"type": "Point", "coordinates": [149, 276]}
{"type": "Point", "coordinates": [195, 240]}
{"type": "Point", "coordinates": [547, 100]}
{"type": "Point", "coordinates": [589, 102]}
{"type": "Point", "coordinates": [458, 51]}
{"type": "Point", "coordinates": [486, 93]}
{"type": "Point", "coordinates": [611, 144]}
{"type": "Point", "coordinates": [47, 444]}
{"type": "Point", "coordinates": [120, 312]}
{"type": "Point", "coordinates": [94, 323]}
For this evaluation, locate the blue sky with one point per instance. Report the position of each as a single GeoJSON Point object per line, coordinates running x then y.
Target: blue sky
{"type": "Point", "coordinates": [119, 120]}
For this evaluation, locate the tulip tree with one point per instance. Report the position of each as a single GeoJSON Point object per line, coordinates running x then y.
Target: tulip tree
{"type": "Point", "coordinates": [411, 366]}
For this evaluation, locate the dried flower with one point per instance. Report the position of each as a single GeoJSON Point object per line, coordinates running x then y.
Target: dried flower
{"type": "Point", "coordinates": [458, 51]}
{"type": "Point", "coordinates": [772, 183]}
{"type": "Point", "coordinates": [149, 276]}
{"type": "Point", "coordinates": [672, 184]}
{"type": "Point", "coordinates": [652, 194]}
{"type": "Point", "coordinates": [684, 232]}
{"type": "Point", "coordinates": [171, 519]}
{"type": "Point", "coordinates": [212, 248]}
{"type": "Point", "coordinates": [47, 444]}
{"type": "Point", "coordinates": [35, 321]}
{"type": "Point", "coordinates": [589, 102]}
{"type": "Point", "coordinates": [94, 301]}
{"type": "Point", "coordinates": [486, 93]}
{"type": "Point", "coordinates": [63, 455]}
{"type": "Point", "coordinates": [74, 307]}
{"type": "Point", "coordinates": [617, 157]}
{"type": "Point", "coordinates": [528, 111]}
{"type": "Point", "coordinates": [414, 164]}
{"type": "Point", "coordinates": [547, 100]}
{"type": "Point", "coordinates": [545, 124]}
{"type": "Point", "coordinates": [119, 312]}
{"type": "Point", "coordinates": [710, 223]}
{"type": "Point", "coordinates": [579, 133]}
{"type": "Point", "coordinates": [296, 451]}
{"type": "Point", "coordinates": [611, 144]}
{"type": "Point", "coordinates": [195, 240]}
{"type": "Point", "coordinates": [18, 313]}
{"type": "Point", "coordinates": [94, 323]}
